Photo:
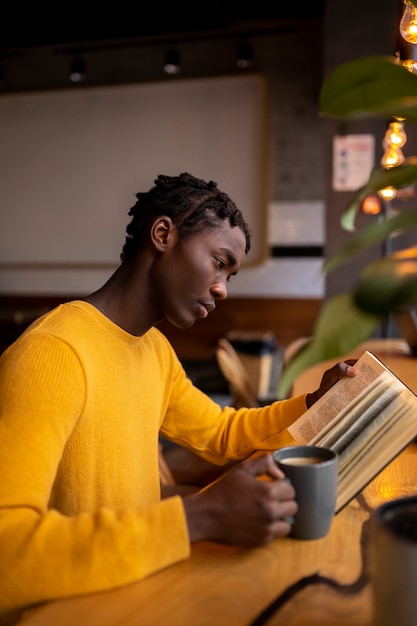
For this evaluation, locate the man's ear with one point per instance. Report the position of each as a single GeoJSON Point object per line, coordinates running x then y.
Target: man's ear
{"type": "Point", "coordinates": [162, 231]}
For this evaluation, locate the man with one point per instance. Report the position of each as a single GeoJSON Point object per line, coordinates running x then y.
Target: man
{"type": "Point", "coordinates": [88, 388]}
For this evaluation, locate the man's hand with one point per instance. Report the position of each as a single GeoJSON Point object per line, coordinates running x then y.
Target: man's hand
{"type": "Point", "coordinates": [240, 509]}
{"type": "Point", "coordinates": [330, 377]}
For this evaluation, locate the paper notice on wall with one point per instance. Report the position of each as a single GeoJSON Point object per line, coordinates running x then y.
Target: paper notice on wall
{"type": "Point", "coordinates": [353, 160]}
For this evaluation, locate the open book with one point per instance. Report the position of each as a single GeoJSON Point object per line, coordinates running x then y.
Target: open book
{"type": "Point", "coordinates": [368, 419]}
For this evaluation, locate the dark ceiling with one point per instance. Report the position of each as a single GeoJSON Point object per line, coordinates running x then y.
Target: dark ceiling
{"type": "Point", "coordinates": [75, 23]}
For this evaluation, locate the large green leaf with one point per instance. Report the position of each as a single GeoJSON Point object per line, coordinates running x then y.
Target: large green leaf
{"type": "Point", "coordinates": [340, 328]}
{"type": "Point", "coordinates": [375, 233]}
{"type": "Point", "coordinates": [368, 87]}
{"type": "Point", "coordinates": [400, 176]}
{"type": "Point", "coordinates": [389, 283]}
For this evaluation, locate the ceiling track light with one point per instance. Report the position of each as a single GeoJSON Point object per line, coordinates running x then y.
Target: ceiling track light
{"type": "Point", "coordinates": [172, 63]}
{"type": "Point", "coordinates": [78, 72]}
{"type": "Point", "coordinates": [245, 58]}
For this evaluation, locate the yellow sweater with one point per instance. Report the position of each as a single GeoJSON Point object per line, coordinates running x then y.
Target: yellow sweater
{"type": "Point", "coordinates": [81, 406]}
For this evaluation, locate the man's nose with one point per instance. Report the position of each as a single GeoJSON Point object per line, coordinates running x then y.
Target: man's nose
{"type": "Point", "coordinates": [219, 291]}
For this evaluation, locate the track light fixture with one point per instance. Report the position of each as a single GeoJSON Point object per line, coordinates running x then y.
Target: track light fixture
{"type": "Point", "coordinates": [244, 55]}
{"type": "Point", "coordinates": [172, 63]}
{"type": "Point", "coordinates": [78, 72]}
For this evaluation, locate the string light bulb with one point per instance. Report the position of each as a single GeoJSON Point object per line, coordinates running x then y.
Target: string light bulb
{"type": "Point", "coordinates": [388, 193]}
{"type": "Point", "coordinates": [395, 135]}
{"type": "Point", "coordinates": [394, 139]}
{"type": "Point", "coordinates": [410, 65]}
{"type": "Point", "coordinates": [372, 205]}
{"type": "Point", "coordinates": [408, 22]}
{"type": "Point", "coordinates": [407, 37]}
{"type": "Point", "coordinates": [392, 157]}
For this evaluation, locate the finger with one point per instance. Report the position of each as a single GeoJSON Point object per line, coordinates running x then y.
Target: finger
{"type": "Point", "coordinates": [263, 464]}
{"type": "Point", "coordinates": [345, 368]}
{"type": "Point", "coordinates": [282, 490]}
{"type": "Point", "coordinates": [284, 519]}
{"type": "Point", "coordinates": [337, 372]}
{"type": "Point", "coordinates": [351, 370]}
{"type": "Point", "coordinates": [281, 528]}
{"type": "Point", "coordinates": [351, 361]}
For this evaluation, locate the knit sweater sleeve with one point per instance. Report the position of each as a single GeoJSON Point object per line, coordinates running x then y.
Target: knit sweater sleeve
{"type": "Point", "coordinates": [220, 434]}
{"type": "Point", "coordinates": [45, 554]}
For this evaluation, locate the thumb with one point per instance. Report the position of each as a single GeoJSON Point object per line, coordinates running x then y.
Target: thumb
{"type": "Point", "coordinates": [263, 465]}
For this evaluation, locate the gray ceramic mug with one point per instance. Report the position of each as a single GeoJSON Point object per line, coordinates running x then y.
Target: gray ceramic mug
{"type": "Point", "coordinates": [393, 561]}
{"type": "Point", "coordinates": [312, 470]}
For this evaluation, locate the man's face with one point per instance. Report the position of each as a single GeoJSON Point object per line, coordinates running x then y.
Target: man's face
{"type": "Point", "coordinates": [192, 273]}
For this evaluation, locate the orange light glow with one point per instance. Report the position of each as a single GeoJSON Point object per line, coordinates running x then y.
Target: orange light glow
{"type": "Point", "coordinates": [371, 205]}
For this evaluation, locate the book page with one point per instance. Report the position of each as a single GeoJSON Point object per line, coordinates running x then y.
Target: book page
{"type": "Point", "coordinates": [381, 395]}
{"type": "Point", "coordinates": [338, 401]}
{"type": "Point", "coordinates": [381, 441]}
{"type": "Point", "coordinates": [387, 420]}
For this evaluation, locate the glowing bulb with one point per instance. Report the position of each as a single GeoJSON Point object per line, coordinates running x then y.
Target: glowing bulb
{"type": "Point", "coordinates": [410, 65]}
{"type": "Point", "coordinates": [395, 135]}
{"type": "Point", "coordinates": [392, 157]}
{"type": "Point", "coordinates": [388, 193]}
{"type": "Point", "coordinates": [408, 23]}
{"type": "Point", "coordinates": [394, 139]}
{"type": "Point", "coordinates": [371, 205]}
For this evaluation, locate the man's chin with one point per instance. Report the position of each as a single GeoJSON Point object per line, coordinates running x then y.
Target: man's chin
{"type": "Point", "coordinates": [182, 324]}
{"type": "Point", "coordinates": [186, 325]}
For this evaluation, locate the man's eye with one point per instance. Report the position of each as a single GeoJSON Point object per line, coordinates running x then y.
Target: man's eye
{"type": "Point", "coordinates": [220, 263]}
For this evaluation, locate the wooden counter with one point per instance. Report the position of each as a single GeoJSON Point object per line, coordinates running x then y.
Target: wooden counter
{"type": "Point", "coordinates": [303, 583]}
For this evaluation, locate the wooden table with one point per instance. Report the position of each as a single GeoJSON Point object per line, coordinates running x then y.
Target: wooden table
{"type": "Point", "coordinates": [289, 582]}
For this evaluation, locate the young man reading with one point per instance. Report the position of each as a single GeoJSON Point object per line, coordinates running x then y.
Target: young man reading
{"type": "Point", "coordinates": [88, 388]}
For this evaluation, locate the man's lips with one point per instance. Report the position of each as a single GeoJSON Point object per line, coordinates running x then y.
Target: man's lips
{"type": "Point", "coordinates": [206, 308]}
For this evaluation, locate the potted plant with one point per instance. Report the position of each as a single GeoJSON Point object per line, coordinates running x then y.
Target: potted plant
{"type": "Point", "coordinates": [373, 86]}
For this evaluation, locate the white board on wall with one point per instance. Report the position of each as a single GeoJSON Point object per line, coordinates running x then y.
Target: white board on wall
{"type": "Point", "coordinates": [71, 162]}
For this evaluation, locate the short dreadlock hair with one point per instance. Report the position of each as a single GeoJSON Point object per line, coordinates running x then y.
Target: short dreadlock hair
{"type": "Point", "coordinates": [192, 204]}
